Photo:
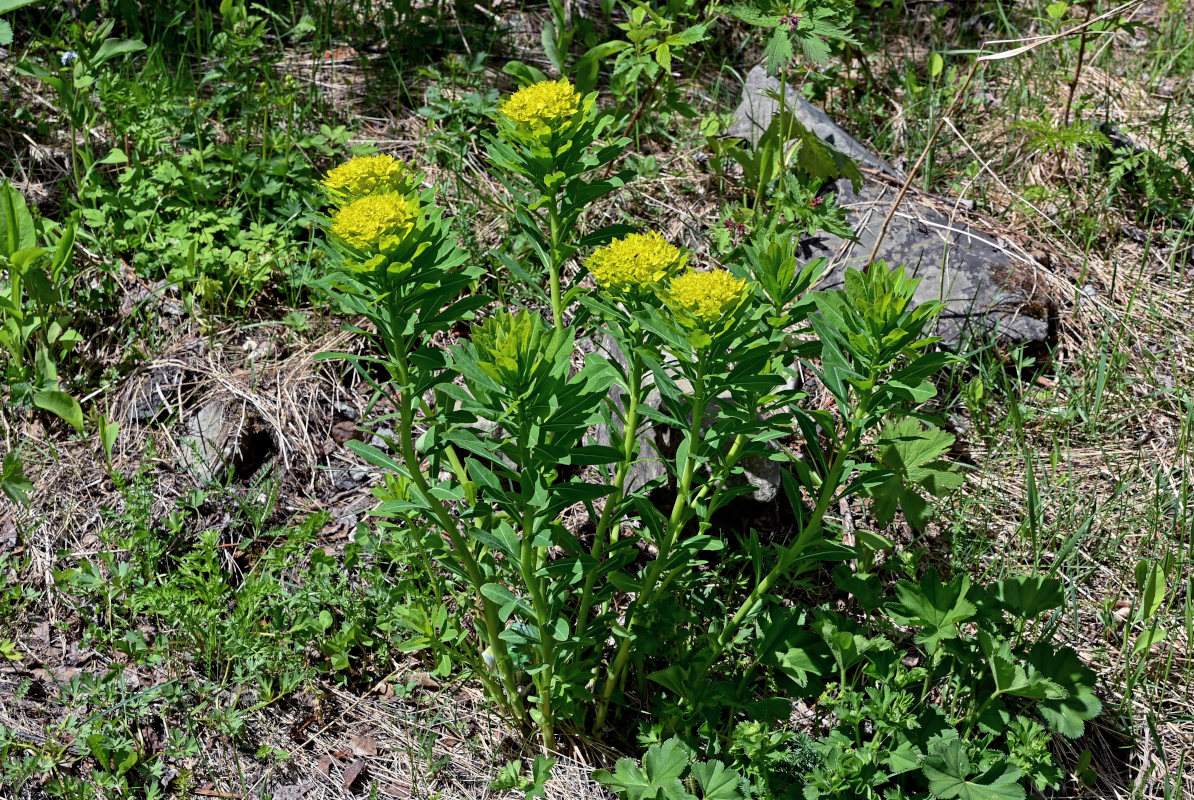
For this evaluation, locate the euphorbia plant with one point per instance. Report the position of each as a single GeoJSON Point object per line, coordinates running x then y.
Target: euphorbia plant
{"type": "Point", "coordinates": [496, 437]}
{"type": "Point", "coordinates": [547, 152]}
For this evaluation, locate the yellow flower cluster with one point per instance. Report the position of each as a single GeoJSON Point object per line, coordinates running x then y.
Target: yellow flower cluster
{"type": "Point", "coordinates": [704, 298]}
{"type": "Point", "coordinates": [541, 107]}
{"type": "Point", "coordinates": [368, 175]}
{"type": "Point", "coordinates": [369, 222]}
{"type": "Point", "coordinates": [639, 261]}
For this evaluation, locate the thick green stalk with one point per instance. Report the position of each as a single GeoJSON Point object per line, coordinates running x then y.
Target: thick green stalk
{"type": "Point", "coordinates": [602, 538]}
{"type": "Point", "coordinates": [731, 459]}
{"type": "Point", "coordinates": [811, 530]}
{"type": "Point", "coordinates": [543, 679]}
{"type": "Point", "coordinates": [493, 625]}
{"type": "Point", "coordinates": [675, 523]}
{"type": "Point", "coordinates": [530, 560]}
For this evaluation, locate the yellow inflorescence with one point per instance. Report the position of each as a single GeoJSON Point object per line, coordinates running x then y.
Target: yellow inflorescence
{"type": "Point", "coordinates": [368, 175]}
{"type": "Point", "coordinates": [541, 106]}
{"type": "Point", "coordinates": [639, 261]}
{"type": "Point", "coordinates": [368, 222]}
{"type": "Point", "coordinates": [704, 298]}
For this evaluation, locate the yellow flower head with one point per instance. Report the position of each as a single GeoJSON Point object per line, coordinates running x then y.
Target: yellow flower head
{"type": "Point", "coordinates": [638, 261]}
{"type": "Point", "coordinates": [368, 175]}
{"type": "Point", "coordinates": [376, 221]}
{"type": "Point", "coordinates": [542, 107]}
{"type": "Point", "coordinates": [701, 299]}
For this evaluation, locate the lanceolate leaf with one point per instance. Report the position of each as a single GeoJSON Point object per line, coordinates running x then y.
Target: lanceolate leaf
{"type": "Point", "coordinates": [63, 405]}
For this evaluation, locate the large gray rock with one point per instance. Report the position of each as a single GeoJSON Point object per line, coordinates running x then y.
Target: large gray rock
{"type": "Point", "coordinates": [973, 272]}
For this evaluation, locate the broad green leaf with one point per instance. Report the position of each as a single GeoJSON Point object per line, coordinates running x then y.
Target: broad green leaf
{"type": "Point", "coordinates": [1150, 582]}
{"type": "Point", "coordinates": [13, 483]}
{"type": "Point", "coordinates": [936, 64]}
{"type": "Point", "coordinates": [1028, 596]}
{"type": "Point", "coordinates": [507, 601]}
{"type": "Point", "coordinates": [935, 607]}
{"type": "Point", "coordinates": [778, 52]}
{"type": "Point", "coordinates": [657, 779]}
{"type": "Point", "coordinates": [950, 775]}
{"type": "Point", "coordinates": [717, 781]}
{"type": "Point", "coordinates": [116, 47]}
{"type": "Point", "coordinates": [752, 16]}
{"type": "Point", "coordinates": [63, 405]}
{"type": "Point", "coordinates": [16, 223]}
{"type": "Point", "coordinates": [1064, 668]}
{"type": "Point", "coordinates": [13, 5]}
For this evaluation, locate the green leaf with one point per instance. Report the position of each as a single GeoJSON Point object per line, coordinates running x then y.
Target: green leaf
{"type": "Point", "coordinates": [16, 223]}
{"type": "Point", "coordinates": [1063, 666]}
{"type": "Point", "coordinates": [116, 47]}
{"type": "Point", "coordinates": [5, 33]}
{"type": "Point", "coordinates": [13, 483]}
{"type": "Point", "coordinates": [1057, 11]}
{"type": "Point", "coordinates": [1150, 582]}
{"type": "Point", "coordinates": [778, 51]}
{"type": "Point", "coordinates": [867, 589]}
{"type": "Point", "coordinates": [1028, 596]}
{"type": "Point", "coordinates": [752, 16]}
{"type": "Point", "coordinates": [657, 779]}
{"type": "Point", "coordinates": [525, 74]}
{"type": "Point", "coordinates": [548, 37]}
{"type": "Point", "coordinates": [935, 607]}
{"type": "Point", "coordinates": [936, 64]}
{"type": "Point", "coordinates": [717, 781]}
{"type": "Point", "coordinates": [507, 601]}
{"type": "Point", "coordinates": [663, 56]}
{"type": "Point", "coordinates": [13, 5]}
{"type": "Point", "coordinates": [909, 449]}
{"type": "Point", "coordinates": [63, 405]}
{"type": "Point", "coordinates": [950, 775]}
{"type": "Point", "coordinates": [115, 156]}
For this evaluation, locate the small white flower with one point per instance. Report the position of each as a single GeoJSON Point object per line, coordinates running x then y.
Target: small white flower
{"type": "Point", "coordinates": [69, 56]}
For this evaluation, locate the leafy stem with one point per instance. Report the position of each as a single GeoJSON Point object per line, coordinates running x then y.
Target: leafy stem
{"type": "Point", "coordinates": [557, 263]}
{"type": "Point", "coordinates": [675, 523]}
{"type": "Point", "coordinates": [436, 507]}
{"type": "Point", "coordinates": [808, 535]}
{"type": "Point", "coordinates": [603, 537]}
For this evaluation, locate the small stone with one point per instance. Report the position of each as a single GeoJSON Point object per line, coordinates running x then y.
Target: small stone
{"type": "Point", "coordinates": [207, 443]}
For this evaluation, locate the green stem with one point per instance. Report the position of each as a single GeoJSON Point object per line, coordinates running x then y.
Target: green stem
{"type": "Point", "coordinates": [602, 538]}
{"type": "Point", "coordinates": [720, 483]}
{"type": "Point", "coordinates": [557, 310]}
{"type": "Point", "coordinates": [493, 625]}
{"type": "Point", "coordinates": [529, 563]}
{"type": "Point", "coordinates": [811, 530]}
{"type": "Point", "coordinates": [675, 523]}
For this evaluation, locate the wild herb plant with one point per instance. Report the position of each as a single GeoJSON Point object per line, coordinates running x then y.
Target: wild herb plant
{"type": "Point", "coordinates": [494, 437]}
{"type": "Point", "coordinates": [36, 326]}
{"type": "Point", "coordinates": [545, 156]}
{"type": "Point", "coordinates": [74, 79]}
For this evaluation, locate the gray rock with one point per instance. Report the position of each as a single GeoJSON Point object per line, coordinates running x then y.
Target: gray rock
{"type": "Point", "coordinates": [160, 393]}
{"type": "Point", "coordinates": [209, 441]}
{"type": "Point", "coordinates": [973, 272]}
